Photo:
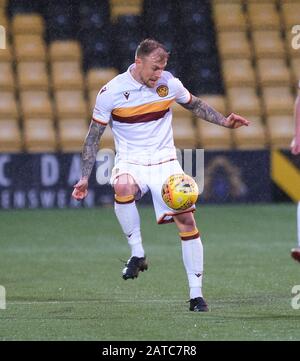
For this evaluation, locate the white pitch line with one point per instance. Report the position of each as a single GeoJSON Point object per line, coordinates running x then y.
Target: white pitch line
{"type": "Point", "coordinates": [87, 302]}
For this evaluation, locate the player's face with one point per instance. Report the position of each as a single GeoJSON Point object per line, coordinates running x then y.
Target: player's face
{"type": "Point", "coordinates": [150, 68]}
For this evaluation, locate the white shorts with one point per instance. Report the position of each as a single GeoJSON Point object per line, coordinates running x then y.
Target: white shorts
{"type": "Point", "coordinates": [152, 177]}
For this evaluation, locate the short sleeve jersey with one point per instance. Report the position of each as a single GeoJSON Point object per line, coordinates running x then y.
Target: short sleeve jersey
{"type": "Point", "coordinates": [140, 117]}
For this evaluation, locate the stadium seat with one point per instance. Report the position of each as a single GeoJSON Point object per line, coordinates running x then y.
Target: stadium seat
{"type": "Point", "coordinates": [28, 24]}
{"type": "Point", "coordinates": [121, 10]}
{"type": "Point", "coordinates": [295, 67]}
{"type": "Point", "coordinates": [233, 44]}
{"type": "Point", "coordinates": [3, 19]}
{"type": "Point", "coordinates": [290, 12]}
{"type": "Point", "coordinates": [216, 101]}
{"type": "Point", "coordinates": [67, 75]}
{"type": "Point", "coordinates": [8, 105]}
{"type": "Point", "coordinates": [29, 48]}
{"type": "Point", "coordinates": [65, 50]}
{"type": "Point", "coordinates": [107, 139]}
{"type": "Point", "coordinates": [70, 104]}
{"type": "Point", "coordinates": [252, 137]}
{"type": "Point", "coordinates": [268, 44]}
{"type": "Point", "coordinates": [183, 129]}
{"type": "Point", "coordinates": [238, 72]}
{"type": "Point", "coordinates": [212, 136]}
{"type": "Point", "coordinates": [7, 82]}
{"type": "Point", "coordinates": [244, 101]}
{"type": "Point", "coordinates": [97, 77]}
{"type": "Point", "coordinates": [39, 135]}
{"type": "Point", "coordinates": [3, 3]}
{"type": "Point", "coordinates": [32, 76]}
{"type": "Point", "coordinates": [35, 104]}
{"type": "Point", "coordinates": [273, 72]}
{"type": "Point", "coordinates": [281, 130]}
{"type": "Point", "coordinates": [72, 133]}
{"type": "Point", "coordinates": [263, 16]}
{"type": "Point", "coordinates": [92, 95]}
{"type": "Point", "coordinates": [277, 100]}
{"type": "Point", "coordinates": [6, 54]}
{"type": "Point", "coordinates": [229, 16]}
{"type": "Point", "coordinates": [10, 136]}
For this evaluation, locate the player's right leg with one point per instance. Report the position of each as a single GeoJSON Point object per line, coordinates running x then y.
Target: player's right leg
{"type": "Point", "coordinates": [295, 252]}
{"type": "Point", "coordinates": [126, 211]}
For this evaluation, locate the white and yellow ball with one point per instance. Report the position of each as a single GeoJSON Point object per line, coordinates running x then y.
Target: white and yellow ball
{"type": "Point", "coordinates": [180, 192]}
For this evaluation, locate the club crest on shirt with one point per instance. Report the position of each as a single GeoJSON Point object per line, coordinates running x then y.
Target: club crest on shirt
{"type": "Point", "coordinates": [162, 91]}
{"type": "Point", "coordinates": [126, 95]}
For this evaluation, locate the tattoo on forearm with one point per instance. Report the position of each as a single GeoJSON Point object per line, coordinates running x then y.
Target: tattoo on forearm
{"type": "Point", "coordinates": [204, 111]}
{"type": "Point", "coordinates": [90, 147]}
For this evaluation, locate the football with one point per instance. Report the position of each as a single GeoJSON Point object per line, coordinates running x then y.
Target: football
{"type": "Point", "coordinates": [180, 192]}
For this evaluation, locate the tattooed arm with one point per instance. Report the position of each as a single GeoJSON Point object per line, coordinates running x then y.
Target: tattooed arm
{"type": "Point", "coordinates": [89, 153]}
{"type": "Point", "coordinates": [206, 112]}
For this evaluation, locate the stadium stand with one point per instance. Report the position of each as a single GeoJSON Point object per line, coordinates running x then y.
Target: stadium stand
{"type": "Point", "coordinates": [236, 55]}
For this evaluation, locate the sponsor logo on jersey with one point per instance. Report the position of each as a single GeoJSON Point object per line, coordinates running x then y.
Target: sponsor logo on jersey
{"type": "Point", "coordinates": [162, 91]}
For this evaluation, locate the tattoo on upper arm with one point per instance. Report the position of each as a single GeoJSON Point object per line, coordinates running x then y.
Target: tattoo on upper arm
{"type": "Point", "coordinates": [90, 147]}
{"type": "Point", "coordinates": [204, 111]}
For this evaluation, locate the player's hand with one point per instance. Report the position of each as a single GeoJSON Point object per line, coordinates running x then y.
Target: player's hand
{"type": "Point", "coordinates": [80, 189]}
{"type": "Point", "coordinates": [234, 121]}
{"type": "Point", "coordinates": [295, 146]}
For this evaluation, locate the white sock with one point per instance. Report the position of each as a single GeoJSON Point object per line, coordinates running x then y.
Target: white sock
{"type": "Point", "coordinates": [298, 224]}
{"type": "Point", "coordinates": [129, 220]}
{"type": "Point", "coordinates": [192, 254]}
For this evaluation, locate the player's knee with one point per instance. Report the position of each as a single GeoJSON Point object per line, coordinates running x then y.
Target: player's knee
{"type": "Point", "coordinates": [125, 186]}
{"type": "Point", "coordinates": [185, 222]}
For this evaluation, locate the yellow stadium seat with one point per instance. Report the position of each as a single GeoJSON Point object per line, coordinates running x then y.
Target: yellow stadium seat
{"type": "Point", "coordinates": [229, 16]}
{"type": "Point", "coordinates": [28, 24]}
{"type": "Point", "coordinates": [213, 136]}
{"type": "Point", "coordinates": [295, 67]}
{"type": "Point", "coordinates": [263, 16]}
{"type": "Point", "coordinates": [3, 3]}
{"type": "Point", "coordinates": [97, 77]}
{"type": "Point", "coordinates": [67, 75]}
{"type": "Point", "coordinates": [281, 130]}
{"type": "Point", "coordinates": [70, 104]}
{"type": "Point", "coordinates": [290, 13]}
{"type": "Point", "coordinates": [233, 44]}
{"type": "Point", "coordinates": [277, 100]}
{"type": "Point", "coordinates": [183, 130]}
{"type": "Point", "coordinates": [8, 105]}
{"type": "Point", "coordinates": [10, 136]}
{"type": "Point", "coordinates": [120, 10]}
{"type": "Point", "coordinates": [72, 133]}
{"type": "Point", "coordinates": [217, 102]}
{"type": "Point", "coordinates": [268, 44]}
{"type": "Point", "coordinates": [238, 72]}
{"type": "Point", "coordinates": [292, 43]}
{"type": "Point", "coordinates": [7, 81]}
{"type": "Point", "coordinates": [92, 95]}
{"type": "Point", "coordinates": [32, 75]}
{"type": "Point", "coordinates": [3, 19]}
{"type": "Point", "coordinates": [244, 101]}
{"type": "Point", "coordinates": [273, 72]}
{"type": "Point", "coordinates": [35, 104]}
{"type": "Point", "coordinates": [39, 135]}
{"type": "Point", "coordinates": [251, 137]}
{"type": "Point", "coordinates": [6, 54]}
{"type": "Point", "coordinates": [29, 48]}
{"type": "Point", "coordinates": [65, 50]}
{"type": "Point", "coordinates": [107, 139]}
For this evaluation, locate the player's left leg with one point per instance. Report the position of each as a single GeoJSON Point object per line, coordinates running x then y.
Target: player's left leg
{"type": "Point", "coordinates": [192, 254]}
{"type": "Point", "coordinates": [295, 252]}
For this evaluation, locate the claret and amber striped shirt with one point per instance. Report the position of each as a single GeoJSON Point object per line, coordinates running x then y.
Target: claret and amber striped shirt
{"type": "Point", "coordinates": [140, 117]}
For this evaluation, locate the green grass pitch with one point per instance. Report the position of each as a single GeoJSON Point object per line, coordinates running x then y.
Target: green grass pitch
{"type": "Point", "coordinates": [62, 275]}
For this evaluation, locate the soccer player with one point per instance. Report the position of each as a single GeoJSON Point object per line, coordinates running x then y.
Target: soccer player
{"type": "Point", "coordinates": [295, 148]}
{"type": "Point", "coordinates": [136, 104]}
